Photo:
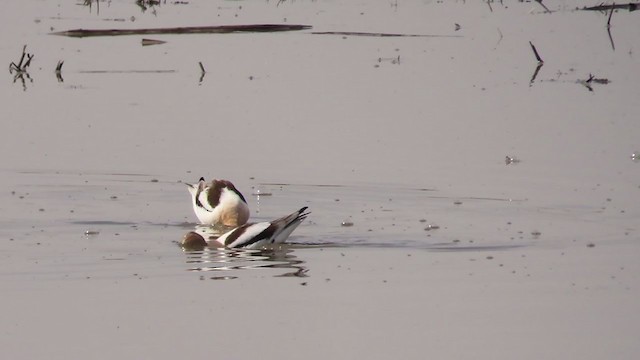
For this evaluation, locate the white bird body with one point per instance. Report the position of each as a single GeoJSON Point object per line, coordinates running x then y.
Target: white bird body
{"type": "Point", "coordinates": [218, 203]}
{"type": "Point", "coordinates": [252, 235]}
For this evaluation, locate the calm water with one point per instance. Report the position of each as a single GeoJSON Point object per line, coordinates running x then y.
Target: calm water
{"type": "Point", "coordinates": [419, 226]}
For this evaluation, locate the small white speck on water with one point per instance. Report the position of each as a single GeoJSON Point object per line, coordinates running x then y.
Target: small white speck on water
{"type": "Point", "coordinates": [510, 160]}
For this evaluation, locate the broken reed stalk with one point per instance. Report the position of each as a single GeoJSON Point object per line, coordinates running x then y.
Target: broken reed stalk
{"type": "Point", "coordinates": [223, 29]}
{"type": "Point", "coordinates": [535, 52]}
{"type": "Point", "coordinates": [546, 9]}
{"type": "Point", "coordinates": [602, 7]}
{"type": "Point", "coordinates": [201, 67]}
{"type": "Point", "coordinates": [21, 66]}
{"type": "Point", "coordinates": [610, 15]}
{"type": "Point", "coordinates": [59, 71]}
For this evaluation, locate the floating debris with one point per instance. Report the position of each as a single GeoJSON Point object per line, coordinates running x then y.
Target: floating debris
{"type": "Point", "coordinates": [593, 80]}
{"type": "Point", "coordinates": [546, 9]}
{"type": "Point", "coordinates": [535, 53]}
{"type": "Point", "coordinates": [635, 156]}
{"type": "Point", "coordinates": [431, 227]}
{"type": "Point", "coordinates": [511, 160]}
{"type": "Point", "coordinates": [222, 277]}
{"type": "Point", "coordinates": [602, 7]}
{"type": "Point", "coordinates": [22, 65]}
{"type": "Point", "coordinates": [148, 42]}
{"type": "Point", "coordinates": [224, 29]}
{"type": "Point", "coordinates": [590, 245]}
{"type": "Point", "coordinates": [346, 223]}
{"type": "Point", "coordinates": [58, 71]}
{"type": "Point", "coordinates": [91, 233]}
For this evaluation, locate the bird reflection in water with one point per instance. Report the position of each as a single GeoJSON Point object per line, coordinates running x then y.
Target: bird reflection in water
{"type": "Point", "coordinates": [231, 261]}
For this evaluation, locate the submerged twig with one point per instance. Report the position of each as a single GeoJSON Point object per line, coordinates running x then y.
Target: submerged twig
{"type": "Point", "coordinates": [535, 52]}
{"type": "Point", "coordinates": [223, 29]}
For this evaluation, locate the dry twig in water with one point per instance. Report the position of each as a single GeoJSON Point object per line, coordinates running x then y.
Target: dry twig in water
{"type": "Point", "coordinates": [546, 9]}
{"type": "Point", "coordinates": [21, 66]}
{"type": "Point", "coordinates": [223, 29]}
{"type": "Point", "coordinates": [535, 52]}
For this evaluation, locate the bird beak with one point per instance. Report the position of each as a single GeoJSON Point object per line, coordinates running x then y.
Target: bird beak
{"type": "Point", "coordinates": [193, 189]}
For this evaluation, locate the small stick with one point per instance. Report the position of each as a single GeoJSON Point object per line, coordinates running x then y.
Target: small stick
{"type": "Point", "coordinates": [610, 14]}
{"type": "Point", "coordinates": [535, 52]}
{"type": "Point", "coordinates": [59, 71]}
{"type": "Point", "coordinates": [24, 48]}
{"type": "Point", "coordinates": [203, 71]}
{"type": "Point", "coordinates": [22, 65]}
{"type": "Point", "coordinates": [545, 8]}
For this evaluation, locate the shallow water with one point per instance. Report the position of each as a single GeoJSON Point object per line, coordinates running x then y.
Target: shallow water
{"type": "Point", "coordinates": [423, 241]}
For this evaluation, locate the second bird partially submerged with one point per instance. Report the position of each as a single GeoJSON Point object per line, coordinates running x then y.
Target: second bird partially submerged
{"type": "Point", "coordinates": [220, 204]}
{"type": "Point", "coordinates": [251, 236]}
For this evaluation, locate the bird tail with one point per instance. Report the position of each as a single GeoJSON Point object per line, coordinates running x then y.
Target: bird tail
{"type": "Point", "coordinates": [290, 222]}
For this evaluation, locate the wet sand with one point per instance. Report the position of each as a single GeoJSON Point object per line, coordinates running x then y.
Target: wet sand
{"type": "Point", "coordinates": [423, 241]}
